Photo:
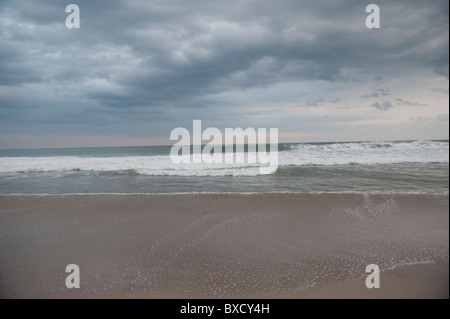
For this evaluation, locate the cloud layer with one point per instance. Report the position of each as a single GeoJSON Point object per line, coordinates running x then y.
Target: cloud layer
{"type": "Point", "coordinates": [140, 68]}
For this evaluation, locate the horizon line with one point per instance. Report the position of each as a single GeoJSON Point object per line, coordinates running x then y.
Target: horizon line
{"type": "Point", "coordinates": [170, 145]}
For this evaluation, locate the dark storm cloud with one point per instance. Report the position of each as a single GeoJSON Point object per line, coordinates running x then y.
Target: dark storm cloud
{"type": "Point", "coordinates": [14, 69]}
{"type": "Point", "coordinates": [441, 70]}
{"type": "Point", "coordinates": [131, 56]}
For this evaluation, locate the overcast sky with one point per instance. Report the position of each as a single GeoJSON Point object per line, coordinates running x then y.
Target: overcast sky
{"type": "Point", "coordinates": [135, 70]}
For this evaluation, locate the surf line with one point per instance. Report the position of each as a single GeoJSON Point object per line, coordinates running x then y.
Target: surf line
{"type": "Point", "coordinates": [234, 138]}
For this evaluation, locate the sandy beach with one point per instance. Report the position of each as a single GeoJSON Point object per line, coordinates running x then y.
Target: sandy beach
{"type": "Point", "coordinates": [224, 245]}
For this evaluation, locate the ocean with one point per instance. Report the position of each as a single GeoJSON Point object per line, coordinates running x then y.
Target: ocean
{"type": "Point", "coordinates": [341, 167]}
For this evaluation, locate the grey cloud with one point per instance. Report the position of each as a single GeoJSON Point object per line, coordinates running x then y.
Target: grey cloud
{"type": "Point", "coordinates": [151, 56]}
{"type": "Point", "coordinates": [377, 93]}
{"type": "Point", "coordinates": [409, 103]}
{"type": "Point", "coordinates": [383, 106]}
{"type": "Point", "coordinates": [336, 100]}
{"type": "Point", "coordinates": [441, 70]}
{"type": "Point", "coordinates": [313, 104]}
{"type": "Point", "coordinates": [317, 102]}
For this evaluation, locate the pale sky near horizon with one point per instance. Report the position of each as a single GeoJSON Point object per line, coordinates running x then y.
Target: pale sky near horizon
{"type": "Point", "coordinates": [135, 70]}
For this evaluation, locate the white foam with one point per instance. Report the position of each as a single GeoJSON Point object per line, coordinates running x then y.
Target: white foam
{"type": "Point", "coordinates": [366, 153]}
{"type": "Point", "coordinates": [144, 165]}
{"type": "Point", "coordinates": [411, 263]}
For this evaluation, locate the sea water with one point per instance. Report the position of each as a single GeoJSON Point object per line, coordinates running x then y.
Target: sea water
{"type": "Point", "coordinates": [368, 167]}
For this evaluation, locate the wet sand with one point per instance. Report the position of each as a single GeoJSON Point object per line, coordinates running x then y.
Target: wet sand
{"type": "Point", "coordinates": [224, 246]}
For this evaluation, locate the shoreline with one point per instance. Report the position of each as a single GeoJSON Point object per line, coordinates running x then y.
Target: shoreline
{"type": "Point", "coordinates": [370, 193]}
{"type": "Point", "coordinates": [270, 245]}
